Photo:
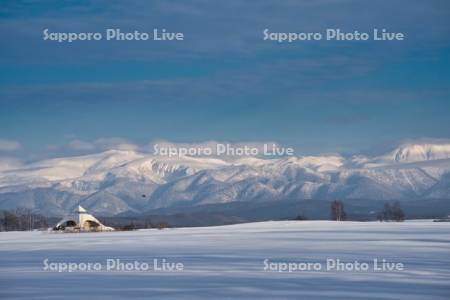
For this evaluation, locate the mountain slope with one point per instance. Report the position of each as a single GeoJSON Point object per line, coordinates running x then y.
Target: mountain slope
{"type": "Point", "coordinates": [115, 182]}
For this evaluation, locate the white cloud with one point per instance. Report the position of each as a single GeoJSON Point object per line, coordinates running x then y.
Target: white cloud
{"type": "Point", "coordinates": [102, 144]}
{"type": "Point", "coordinates": [80, 145]}
{"type": "Point", "coordinates": [209, 148]}
{"type": "Point", "coordinates": [9, 145]}
{"type": "Point", "coordinates": [115, 143]}
{"type": "Point", "coordinates": [9, 163]}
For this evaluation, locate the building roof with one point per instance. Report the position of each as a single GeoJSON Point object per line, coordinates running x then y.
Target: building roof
{"type": "Point", "coordinates": [80, 216]}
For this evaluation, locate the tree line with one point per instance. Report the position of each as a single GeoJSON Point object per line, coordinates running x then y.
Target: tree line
{"type": "Point", "coordinates": [390, 212]}
{"type": "Point", "coordinates": [21, 219]}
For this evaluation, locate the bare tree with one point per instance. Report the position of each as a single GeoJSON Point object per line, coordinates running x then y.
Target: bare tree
{"type": "Point", "coordinates": [387, 212]}
{"type": "Point", "coordinates": [9, 221]}
{"type": "Point", "coordinates": [392, 212]}
{"type": "Point", "coordinates": [397, 213]}
{"type": "Point", "coordinates": [337, 211]}
{"type": "Point", "coordinates": [21, 219]}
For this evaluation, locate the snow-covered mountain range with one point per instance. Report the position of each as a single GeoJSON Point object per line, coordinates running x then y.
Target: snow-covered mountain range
{"type": "Point", "coordinates": [114, 181]}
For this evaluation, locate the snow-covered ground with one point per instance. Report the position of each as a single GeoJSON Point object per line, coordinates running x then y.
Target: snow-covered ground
{"type": "Point", "coordinates": [228, 262]}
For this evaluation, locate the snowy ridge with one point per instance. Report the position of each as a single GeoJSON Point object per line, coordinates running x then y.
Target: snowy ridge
{"type": "Point", "coordinates": [116, 181]}
{"type": "Point", "coordinates": [409, 153]}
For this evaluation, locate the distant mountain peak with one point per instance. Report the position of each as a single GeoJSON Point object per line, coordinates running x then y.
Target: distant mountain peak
{"type": "Point", "coordinates": [114, 181]}
{"type": "Point", "coordinates": [416, 152]}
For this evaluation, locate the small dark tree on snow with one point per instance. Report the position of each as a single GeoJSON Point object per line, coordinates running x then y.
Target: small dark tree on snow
{"type": "Point", "coordinates": [301, 217]}
{"type": "Point", "coordinates": [387, 212]}
{"type": "Point", "coordinates": [9, 221]}
{"type": "Point", "coordinates": [393, 212]}
{"type": "Point", "coordinates": [397, 213]}
{"type": "Point", "coordinates": [337, 211]}
{"type": "Point", "coordinates": [380, 217]}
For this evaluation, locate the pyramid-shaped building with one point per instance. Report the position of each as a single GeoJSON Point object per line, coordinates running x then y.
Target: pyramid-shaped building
{"type": "Point", "coordinates": [81, 220]}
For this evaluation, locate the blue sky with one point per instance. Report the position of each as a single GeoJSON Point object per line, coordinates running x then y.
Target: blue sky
{"type": "Point", "coordinates": [222, 83]}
